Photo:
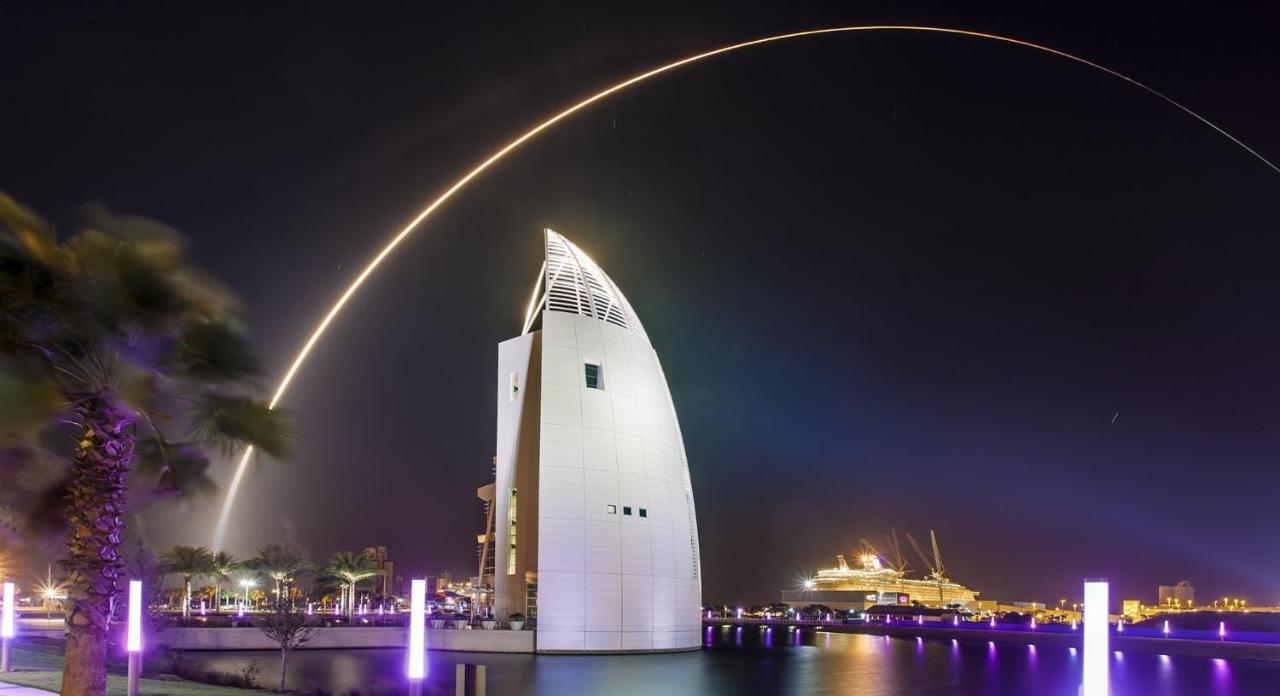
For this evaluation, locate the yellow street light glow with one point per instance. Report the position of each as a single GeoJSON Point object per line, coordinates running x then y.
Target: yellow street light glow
{"type": "Point", "coordinates": [533, 132]}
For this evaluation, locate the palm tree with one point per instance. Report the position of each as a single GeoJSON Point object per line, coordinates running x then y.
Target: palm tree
{"type": "Point", "coordinates": [223, 565]}
{"type": "Point", "coordinates": [103, 336]}
{"type": "Point", "coordinates": [351, 568]}
{"type": "Point", "coordinates": [280, 562]}
{"type": "Point", "coordinates": [190, 562]}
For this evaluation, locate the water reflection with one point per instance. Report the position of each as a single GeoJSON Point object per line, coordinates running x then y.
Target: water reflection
{"type": "Point", "coordinates": [761, 661]}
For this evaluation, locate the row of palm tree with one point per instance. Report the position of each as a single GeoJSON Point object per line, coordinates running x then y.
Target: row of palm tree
{"type": "Point", "coordinates": [282, 563]}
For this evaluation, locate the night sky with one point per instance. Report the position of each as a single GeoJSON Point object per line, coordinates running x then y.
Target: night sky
{"type": "Point", "coordinates": [895, 280]}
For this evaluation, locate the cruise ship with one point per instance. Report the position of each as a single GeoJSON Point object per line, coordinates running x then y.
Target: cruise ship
{"type": "Point", "coordinates": [872, 582]}
{"type": "Point", "coordinates": [873, 578]}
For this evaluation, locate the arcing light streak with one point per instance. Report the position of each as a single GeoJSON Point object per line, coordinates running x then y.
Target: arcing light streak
{"type": "Point", "coordinates": [533, 132]}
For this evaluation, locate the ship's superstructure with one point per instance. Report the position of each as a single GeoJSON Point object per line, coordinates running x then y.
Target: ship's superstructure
{"type": "Point", "coordinates": [591, 513]}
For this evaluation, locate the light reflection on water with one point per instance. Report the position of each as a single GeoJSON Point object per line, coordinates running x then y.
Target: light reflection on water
{"type": "Point", "coordinates": [762, 661]}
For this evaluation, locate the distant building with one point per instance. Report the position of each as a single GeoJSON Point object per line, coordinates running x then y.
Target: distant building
{"type": "Point", "coordinates": [1182, 595]}
{"type": "Point", "coordinates": [384, 584]}
{"type": "Point", "coordinates": [1131, 607]}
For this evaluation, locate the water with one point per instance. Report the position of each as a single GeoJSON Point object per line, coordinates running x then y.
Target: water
{"type": "Point", "coordinates": [752, 661]}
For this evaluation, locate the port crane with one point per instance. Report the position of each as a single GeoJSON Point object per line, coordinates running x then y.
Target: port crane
{"type": "Point", "coordinates": [937, 571]}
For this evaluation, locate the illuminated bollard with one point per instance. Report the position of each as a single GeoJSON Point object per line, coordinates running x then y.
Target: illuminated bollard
{"type": "Point", "coordinates": [417, 668]}
{"type": "Point", "coordinates": [1097, 638]}
{"type": "Point", "coordinates": [1222, 630]}
{"type": "Point", "coordinates": [6, 627]}
{"type": "Point", "coordinates": [133, 638]}
{"type": "Point", "coordinates": [955, 621]}
{"type": "Point", "coordinates": [1120, 626]}
{"type": "Point", "coordinates": [1033, 623]}
{"type": "Point", "coordinates": [1166, 628]}
{"type": "Point", "coordinates": [993, 622]}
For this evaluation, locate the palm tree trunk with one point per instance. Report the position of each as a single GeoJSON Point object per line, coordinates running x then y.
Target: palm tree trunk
{"type": "Point", "coordinates": [186, 597]}
{"type": "Point", "coordinates": [284, 665]}
{"type": "Point", "coordinates": [94, 508]}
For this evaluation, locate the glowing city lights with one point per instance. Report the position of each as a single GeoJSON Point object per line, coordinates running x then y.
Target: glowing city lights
{"type": "Point", "coordinates": [1096, 639]}
{"type": "Point", "coordinates": [391, 245]}
{"type": "Point", "coordinates": [417, 670]}
{"type": "Point", "coordinates": [133, 641]}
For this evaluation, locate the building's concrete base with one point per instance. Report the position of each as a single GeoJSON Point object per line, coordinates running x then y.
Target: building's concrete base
{"type": "Point", "coordinates": [248, 638]}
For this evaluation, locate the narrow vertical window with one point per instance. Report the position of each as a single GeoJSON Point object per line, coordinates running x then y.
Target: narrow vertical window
{"type": "Point", "coordinates": [595, 376]}
{"type": "Point", "coordinates": [513, 392]}
{"type": "Point", "coordinates": [511, 534]}
{"type": "Point", "coordinates": [644, 512]}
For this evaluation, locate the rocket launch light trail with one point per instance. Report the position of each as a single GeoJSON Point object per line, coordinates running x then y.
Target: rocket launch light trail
{"type": "Point", "coordinates": [533, 132]}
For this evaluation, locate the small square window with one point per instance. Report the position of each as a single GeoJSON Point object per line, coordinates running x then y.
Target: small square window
{"type": "Point", "coordinates": [594, 376]}
{"type": "Point", "coordinates": [611, 509]}
{"type": "Point", "coordinates": [644, 512]}
{"type": "Point", "coordinates": [626, 509]}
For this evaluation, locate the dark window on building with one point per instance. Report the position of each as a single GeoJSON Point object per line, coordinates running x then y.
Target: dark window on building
{"type": "Point", "coordinates": [644, 512]}
{"type": "Point", "coordinates": [626, 509]}
{"type": "Point", "coordinates": [594, 376]}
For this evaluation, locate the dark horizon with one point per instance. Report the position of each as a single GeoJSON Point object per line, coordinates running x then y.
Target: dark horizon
{"type": "Point", "coordinates": [894, 280]}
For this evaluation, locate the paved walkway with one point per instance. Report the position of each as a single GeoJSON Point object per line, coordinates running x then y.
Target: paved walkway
{"type": "Point", "coordinates": [7, 689]}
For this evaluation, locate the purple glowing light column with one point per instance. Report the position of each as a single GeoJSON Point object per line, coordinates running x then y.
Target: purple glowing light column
{"type": "Point", "coordinates": [417, 668]}
{"type": "Point", "coordinates": [1097, 652]}
{"type": "Point", "coordinates": [133, 639]}
{"type": "Point", "coordinates": [6, 627]}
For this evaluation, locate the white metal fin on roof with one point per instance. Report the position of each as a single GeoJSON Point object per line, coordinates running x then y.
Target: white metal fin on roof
{"type": "Point", "coordinates": [571, 282]}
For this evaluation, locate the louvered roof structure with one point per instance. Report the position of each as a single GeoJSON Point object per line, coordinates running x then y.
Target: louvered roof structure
{"type": "Point", "coordinates": [571, 282]}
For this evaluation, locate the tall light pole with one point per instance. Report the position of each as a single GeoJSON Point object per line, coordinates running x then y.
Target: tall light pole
{"type": "Point", "coordinates": [133, 641]}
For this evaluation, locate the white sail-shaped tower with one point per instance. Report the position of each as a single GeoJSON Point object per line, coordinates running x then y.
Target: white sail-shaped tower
{"type": "Point", "coordinates": [594, 533]}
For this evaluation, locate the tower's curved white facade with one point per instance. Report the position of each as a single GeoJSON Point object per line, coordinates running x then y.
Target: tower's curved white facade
{"type": "Point", "coordinates": [594, 531]}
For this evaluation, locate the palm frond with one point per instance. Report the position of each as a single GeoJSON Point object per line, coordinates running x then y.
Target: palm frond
{"type": "Point", "coordinates": [227, 423]}
{"type": "Point", "coordinates": [214, 351]}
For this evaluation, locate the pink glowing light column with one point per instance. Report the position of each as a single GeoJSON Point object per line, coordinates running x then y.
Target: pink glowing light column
{"type": "Point", "coordinates": [133, 637]}
{"type": "Point", "coordinates": [417, 668]}
{"type": "Point", "coordinates": [6, 627]}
